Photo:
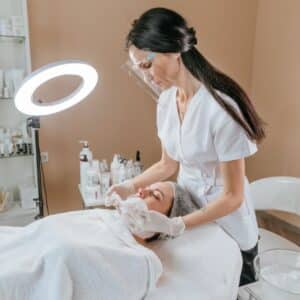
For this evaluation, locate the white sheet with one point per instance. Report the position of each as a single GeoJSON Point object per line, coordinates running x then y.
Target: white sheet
{"type": "Point", "coordinates": [87, 255]}
{"type": "Point", "coordinates": [203, 264]}
{"type": "Point", "coordinates": [78, 255]}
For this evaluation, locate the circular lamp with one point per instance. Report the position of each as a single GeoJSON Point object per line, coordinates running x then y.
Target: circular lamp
{"type": "Point", "coordinates": [26, 104]}
{"type": "Point", "coordinates": [24, 97]}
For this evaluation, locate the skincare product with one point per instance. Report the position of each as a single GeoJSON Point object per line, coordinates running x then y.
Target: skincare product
{"type": "Point", "coordinates": [114, 169]}
{"type": "Point", "coordinates": [85, 157]}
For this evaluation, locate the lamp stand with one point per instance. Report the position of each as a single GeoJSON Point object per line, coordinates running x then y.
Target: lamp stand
{"type": "Point", "coordinates": [34, 124]}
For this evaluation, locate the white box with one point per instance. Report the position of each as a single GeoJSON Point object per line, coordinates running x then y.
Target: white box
{"type": "Point", "coordinates": [17, 20]}
{"type": "Point", "coordinates": [18, 30]}
{"type": "Point", "coordinates": [27, 194]}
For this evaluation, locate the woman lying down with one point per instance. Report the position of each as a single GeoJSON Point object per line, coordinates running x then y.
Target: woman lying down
{"type": "Point", "coordinates": [91, 254]}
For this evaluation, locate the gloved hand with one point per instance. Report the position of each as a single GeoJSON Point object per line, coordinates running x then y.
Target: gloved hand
{"type": "Point", "coordinates": [134, 227]}
{"type": "Point", "coordinates": [124, 189]}
{"type": "Point", "coordinates": [153, 221]}
{"type": "Point", "coordinates": [134, 206]}
{"type": "Point", "coordinates": [113, 200]}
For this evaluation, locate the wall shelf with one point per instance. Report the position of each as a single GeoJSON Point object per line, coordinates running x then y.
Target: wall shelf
{"type": "Point", "coordinates": [13, 38]}
{"type": "Point", "coordinates": [17, 216]}
{"type": "Point", "coordinates": [16, 155]}
{"type": "Point", "coordinates": [3, 98]}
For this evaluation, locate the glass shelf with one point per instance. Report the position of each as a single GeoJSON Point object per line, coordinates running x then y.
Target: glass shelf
{"type": "Point", "coordinates": [15, 155]}
{"type": "Point", "coordinates": [14, 38]}
{"type": "Point", "coordinates": [6, 98]}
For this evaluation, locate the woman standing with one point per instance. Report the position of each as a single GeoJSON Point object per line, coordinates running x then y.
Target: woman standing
{"type": "Point", "coordinates": [207, 126]}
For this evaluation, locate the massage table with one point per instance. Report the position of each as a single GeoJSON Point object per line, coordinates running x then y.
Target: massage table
{"type": "Point", "coordinates": [204, 263]}
{"type": "Point", "coordinates": [70, 256]}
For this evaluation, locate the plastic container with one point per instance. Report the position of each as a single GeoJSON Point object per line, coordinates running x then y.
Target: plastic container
{"type": "Point", "coordinates": [114, 169]}
{"type": "Point", "coordinates": [278, 270]}
{"type": "Point", "coordinates": [104, 182]}
{"type": "Point", "coordinates": [85, 157]}
{"type": "Point", "coordinates": [122, 174]}
{"type": "Point", "coordinates": [93, 194]}
{"type": "Point", "coordinates": [27, 194]}
{"type": "Point", "coordinates": [130, 169]}
{"type": "Point", "coordinates": [92, 174]}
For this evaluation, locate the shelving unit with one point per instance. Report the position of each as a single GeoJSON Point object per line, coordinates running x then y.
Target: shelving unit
{"type": "Point", "coordinates": [17, 216]}
{"type": "Point", "coordinates": [14, 38]}
{"type": "Point", "coordinates": [87, 203]}
{"type": "Point", "coordinates": [16, 155]}
{"type": "Point", "coordinates": [15, 169]}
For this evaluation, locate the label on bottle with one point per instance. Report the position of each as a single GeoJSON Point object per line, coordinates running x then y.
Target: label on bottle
{"type": "Point", "coordinates": [83, 157]}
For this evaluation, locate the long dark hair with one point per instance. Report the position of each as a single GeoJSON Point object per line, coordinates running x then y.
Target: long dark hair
{"type": "Point", "coordinates": [163, 30]}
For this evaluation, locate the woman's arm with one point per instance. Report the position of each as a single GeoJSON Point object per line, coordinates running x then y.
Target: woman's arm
{"type": "Point", "coordinates": [233, 173]}
{"type": "Point", "coordinates": [160, 171]}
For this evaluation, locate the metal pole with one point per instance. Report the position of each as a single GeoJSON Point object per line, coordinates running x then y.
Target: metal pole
{"type": "Point", "coordinates": [34, 123]}
{"type": "Point", "coordinates": [39, 201]}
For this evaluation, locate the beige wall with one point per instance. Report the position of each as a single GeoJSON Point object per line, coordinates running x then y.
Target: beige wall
{"type": "Point", "coordinates": [119, 116]}
{"type": "Point", "coordinates": [275, 83]}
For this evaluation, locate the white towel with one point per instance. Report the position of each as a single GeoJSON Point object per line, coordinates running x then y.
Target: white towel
{"type": "Point", "coordinates": [77, 255]}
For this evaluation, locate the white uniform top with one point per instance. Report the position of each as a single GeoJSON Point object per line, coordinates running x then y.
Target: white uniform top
{"type": "Point", "coordinates": [207, 136]}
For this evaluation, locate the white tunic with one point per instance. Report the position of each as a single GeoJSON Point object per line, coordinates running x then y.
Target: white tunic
{"type": "Point", "coordinates": [207, 136]}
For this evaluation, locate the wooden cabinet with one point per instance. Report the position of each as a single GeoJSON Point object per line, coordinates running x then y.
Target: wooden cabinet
{"type": "Point", "coordinates": [283, 223]}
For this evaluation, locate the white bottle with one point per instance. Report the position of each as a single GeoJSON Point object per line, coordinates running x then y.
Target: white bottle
{"type": "Point", "coordinates": [137, 164]}
{"type": "Point", "coordinates": [122, 174]}
{"type": "Point", "coordinates": [114, 169]}
{"type": "Point", "coordinates": [130, 169]}
{"type": "Point", "coordinates": [105, 165]}
{"type": "Point", "coordinates": [92, 174]}
{"type": "Point", "coordinates": [85, 157]}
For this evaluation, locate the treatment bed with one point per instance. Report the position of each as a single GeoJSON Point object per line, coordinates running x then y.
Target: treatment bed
{"type": "Point", "coordinates": [90, 255]}
{"type": "Point", "coordinates": [204, 263]}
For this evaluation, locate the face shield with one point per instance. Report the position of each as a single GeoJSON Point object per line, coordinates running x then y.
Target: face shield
{"type": "Point", "coordinates": [142, 78]}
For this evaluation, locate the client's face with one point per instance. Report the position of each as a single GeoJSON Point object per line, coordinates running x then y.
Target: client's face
{"type": "Point", "coordinates": [157, 196]}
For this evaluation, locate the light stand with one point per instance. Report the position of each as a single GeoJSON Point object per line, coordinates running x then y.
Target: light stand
{"type": "Point", "coordinates": [34, 124]}
{"type": "Point", "coordinates": [26, 104]}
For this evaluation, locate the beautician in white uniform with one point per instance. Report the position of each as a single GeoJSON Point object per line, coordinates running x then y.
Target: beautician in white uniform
{"type": "Point", "coordinates": [207, 126]}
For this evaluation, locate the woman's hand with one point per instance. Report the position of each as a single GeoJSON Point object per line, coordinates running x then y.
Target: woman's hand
{"type": "Point", "coordinates": [153, 221]}
{"type": "Point", "coordinates": [124, 189]}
